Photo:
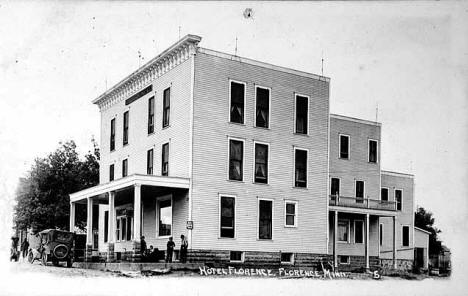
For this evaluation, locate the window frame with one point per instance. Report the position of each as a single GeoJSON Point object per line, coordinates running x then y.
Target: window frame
{"type": "Point", "coordinates": [112, 135]}
{"type": "Point", "coordinates": [220, 196]}
{"type": "Point", "coordinates": [363, 190]}
{"type": "Point", "coordinates": [237, 261]}
{"type": "Point", "coordinates": [119, 218]}
{"type": "Point", "coordinates": [229, 158]}
{"type": "Point", "coordinates": [267, 163]}
{"type": "Point", "coordinates": [245, 98]}
{"type": "Point", "coordinates": [295, 203]}
{"type": "Point", "coordinates": [166, 110]}
{"type": "Point", "coordinates": [111, 172]}
{"type": "Point", "coordinates": [291, 258]}
{"type": "Point", "coordinates": [158, 218]}
{"type": "Point", "coordinates": [376, 151]}
{"type": "Point", "coordinates": [106, 226]}
{"type": "Point", "coordinates": [331, 185]}
{"type": "Point", "coordinates": [125, 127]}
{"type": "Point", "coordinates": [403, 235]}
{"type": "Point", "coordinates": [388, 193]}
{"type": "Point", "coordinates": [401, 199]}
{"type": "Point", "coordinates": [339, 146]}
{"type": "Point", "coordinates": [363, 231]}
{"type": "Point", "coordinates": [151, 115]}
{"type": "Point", "coordinates": [124, 165]}
{"type": "Point", "coordinates": [272, 218]}
{"type": "Point", "coordinates": [307, 168]}
{"type": "Point", "coordinates": [166, 174]}
{"type": "Point", "coordinates": [345, 256]}
{"type": "Point", "coordinates": [381, 233]}
{"type": "Point", "coordinates": [348, 223]}
{"type": "Point", "coordinates": [150, 164]}
{"type": "Point", "coordinates": [295, 113]}
{"type": "Point", "coordinates": [269, 107]}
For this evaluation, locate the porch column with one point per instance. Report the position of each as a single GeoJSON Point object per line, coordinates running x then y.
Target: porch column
{"type": "Point", "coordinates": [137, 221]}
{"type": "Point", "coordinates": [394, 242]}
{"type": "Point", "coordinates": [89, 228]}
{"type": "Point", "coordinates": [72, 217]}
{"type": "Point", "coordinates": [111, 227]}
{"type": "Point", "coordinates": [367, 241]}
{"type": "Point", "coordinates": [335, 238]}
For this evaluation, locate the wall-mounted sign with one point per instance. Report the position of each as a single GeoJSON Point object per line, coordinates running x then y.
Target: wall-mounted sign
{"type": "Point", "coordinates": [190, 225]}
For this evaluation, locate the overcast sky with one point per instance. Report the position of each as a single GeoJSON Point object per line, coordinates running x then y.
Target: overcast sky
{"type": "Point", "coordinates": [407, 59]}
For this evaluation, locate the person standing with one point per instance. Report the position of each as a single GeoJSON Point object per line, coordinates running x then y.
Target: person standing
{"type": "Point", "coordinates": [183, 249]}
{"type": "Point", "coordinates": [24, 248]}
{"type": "Point", "coordinates": [170, 250]}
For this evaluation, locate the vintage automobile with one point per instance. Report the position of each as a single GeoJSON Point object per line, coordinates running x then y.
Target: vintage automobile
{"type": "Point", "coordinates": [55, 246]}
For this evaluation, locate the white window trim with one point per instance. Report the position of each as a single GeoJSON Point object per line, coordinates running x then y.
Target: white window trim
{"type": "Point", "coordinates": [219, 216]}
{"type": "Point", "coordinates": [128, 131]}
{"type": "Point", "coordinates": [151, 148]}
{"type": "Point", "coordinates": [229, 158]}
{"type": "Point", "coordinates": [291, 260]}
{"type": "Point", "coordinates": [308, 112]}
{"type": "Point", "coordinates": [168, 159]}
{"type": "Point", "coordinates": [355, 188]}
{"type": "Point", "coordinates": [349, 259]}
{"type": "Point", "coordinates": [409, 236]}
{"type": "Point", "coordinates": [363, 231]}
{"type": "Point", "coordinates": [349, 231]}
{"type": "Point", "coordinates": [368, 151]}
{"type": "Point", "coordinates": [381, 233]}
{"type": "Point", "coordinates": [339, 184]}
{"type": "Point", "coordinates": [253, 165]}
{"type": "Point", "coordinates": [245, 96]}
{"type": "Point", "coordinates": [162, 198]}
{"type": "Point", "coordinates": [288, 201]}
{"type": "Point", "coordinates": [339, 146]}
{"type": "Point", "coordinates": [388, 193]}
{"type": "Point", "coordinates": [237, 261]}
{"type": "Point", "coordinates": [255, 109]}
{"type": "Point", "coordinates": [394, 198]}
{"type": "Point", "coordinates": [169, 86]}
{"type": "Point", "coordinates": [272, 218]}
{"type": "Point", "coordinates": [294, 168]}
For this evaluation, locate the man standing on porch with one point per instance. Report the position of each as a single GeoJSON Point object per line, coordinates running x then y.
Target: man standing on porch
{"type": "Point", "coordinates": [183, 249]}
{"type": "Point", "coordinates": [170, 250]}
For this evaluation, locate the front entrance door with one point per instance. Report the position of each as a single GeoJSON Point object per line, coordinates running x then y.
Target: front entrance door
{"type": "Point", "coordinates": [419, 257]}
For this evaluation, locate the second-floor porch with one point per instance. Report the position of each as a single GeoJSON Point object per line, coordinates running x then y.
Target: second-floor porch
{"type": "Point", "coordinates": [361, 203]}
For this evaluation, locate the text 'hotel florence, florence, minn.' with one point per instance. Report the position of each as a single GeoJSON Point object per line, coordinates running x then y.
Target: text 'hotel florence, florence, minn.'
{"type": "Point", "coordinates": [244, 159]}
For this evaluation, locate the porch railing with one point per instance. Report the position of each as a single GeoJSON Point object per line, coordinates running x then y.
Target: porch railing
{"type": "Point", "coordinates": [365, 203]}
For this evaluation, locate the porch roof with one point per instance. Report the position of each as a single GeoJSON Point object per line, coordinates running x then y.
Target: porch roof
{"type": "Point", "coordinates": [147, 180]}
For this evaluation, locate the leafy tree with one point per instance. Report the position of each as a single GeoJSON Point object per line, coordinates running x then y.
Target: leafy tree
{"type": "Point", "coordinates": [42, 196]}
{"type": "Point", "coordinates": [424, 220]}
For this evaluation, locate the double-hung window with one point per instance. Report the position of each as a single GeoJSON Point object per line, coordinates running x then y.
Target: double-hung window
{"type": "Point", "coordinates": [106, 226]}
{"type": "Point", "coordinates": [302, 111]}
{"type": "Point", "coordinates": [164, 217]}
{"type": "Point", "coordinates": [265, 219]}
{"type": "Point", "coordinates": [149, 161]}
{"type": "Point", "coordinates": [111, 172]}
{"type": "Point", "coordinates": [237, 101]}
{"type": "Point", "coordinates": [262, 108]}
{"type": "Point", "coordinates": [124, 168]}
{"type": "Point", "coordinates": [344, 146]}
{"type": "Point", "coordinates": [359, 191]}
{"type": "Point", "coordinates": [236, 159]}
{"type": "Point", "coordinates": [125, 128]}
{"type": "Point", "coordinates": [227, 216]}
{"type": "Point", "coordinates": [398, 198]}
{"type": "Point", "coordinates": [261, 163]}
{"type": "Point", "coordinates": [335, 187]}
{"type": "Point", "coordinates": [300, 161]}
{"type": "Point", "coordinates": [405, 236]}
{"type": "Point", "coordinates": [112, 135]}
{"type": "Point", "coordinates": [165, 160]}
{"type": "Point", "coordinates": [373, 148]}
{"type": "Point", "coordinates": [290, 212]}
{"type": "Point", "coordinates": [384, 194]}
{"type": "Point", "coordinates": [166, 106]}
{"type": "Point", "coordinates": [358, 231]}
{"type": "Point", "coordinates": [151, 115]}
{"type": "Point", "coordinates": [343, 230]}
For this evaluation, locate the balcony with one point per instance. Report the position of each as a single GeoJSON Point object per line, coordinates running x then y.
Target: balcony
{"type": "Point", "coordinates": [363, 203]}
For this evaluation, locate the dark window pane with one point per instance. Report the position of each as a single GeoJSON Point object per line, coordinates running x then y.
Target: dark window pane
{"type": "Point", "coordinates": [384, 194]}
{"type": "Point", "coordinates": [111, 172]}
{"type": "Point", "coordinates": [235, 256]}
{"type": "Point", "coordinates": [237, 102]}
{"type": "Point", "coordinates": [149, 162]}
{"type": "Point", "coordinates": [151, 115]}
{"type": "Point", "coordinates": [359, 232]}
{"type": "Point", "coordinates": [343, 231]}
{"type": "Point", "coordinates": [165, 160]}
{"type": "Point", "coordinates": [129, 228]}
{"type": "Point", "coordinates": [166, 106]}
{"type": "Point", "coordinates": [261, 163]}
{"type": "Point", "coordinates": [302, 110]}
{"type": "Point", "coordinates": [372, 151]}
{"type": "Point", "coordinates": [106, 226]}
{"type": "Point", "coordinates": [117, 229]}
{"type": "Point", "coordinates": [125, 128]}
{"type": "Point", "coordinates": [124, 228]}
{"type": "Point", "coordinates": [398, 201]}
{"type": "Point", "coordinates": [360, 191]}
{"type": "Point", "coordinates": [381, 233]}
{"type": "Point", "coordinates": [112, 135]}
{"type": "Point", "coordinates": [124, 167]}
{"type": "Point", "coordinates": [335, 186]}
{"type": "Point", "coordinates": [405, 236]}
{"type": "Point", "coordinates": [301, 168]}
{"type": "Point", "coordinates": [344, 146]}
{"type": "Point", "coordinates": [263, 107]}
{"type": "Point", "coordinates": [265, 219]}
{"type": "Point", "coordinates": [236, 154]}
{"type": "Point", "coordinates": [227, 216]}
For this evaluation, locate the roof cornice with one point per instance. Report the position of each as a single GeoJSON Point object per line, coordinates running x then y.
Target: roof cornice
{"type": "Point", "coordinates": [358, 120]}
{"type": "Point", "coordinates": [165, 61]}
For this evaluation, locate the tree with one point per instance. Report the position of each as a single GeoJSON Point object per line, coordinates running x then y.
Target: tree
{"type": "Point", "coordinates": [424, 220]}
{"type": "Point", "coordinates": [43, 195]}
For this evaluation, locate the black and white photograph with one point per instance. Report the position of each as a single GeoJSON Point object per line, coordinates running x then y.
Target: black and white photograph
{"type": "Point", "coordinates": [233, 148]}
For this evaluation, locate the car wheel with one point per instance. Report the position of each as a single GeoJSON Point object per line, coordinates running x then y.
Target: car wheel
{"type": "Point", "coordinates": [69, 262]}
{"type": "Point", "coordinates": [30, 257]}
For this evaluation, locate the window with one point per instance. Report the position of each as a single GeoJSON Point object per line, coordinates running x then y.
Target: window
{"type": "Point", "coordinates": [343, 230]}
{"type": "Point", "coordinates": [358, 232]}
{"type": "Point", "coordinates": [165, 217]}
{"type": "Point", "coordinates": [261, 163]}
{"type": "Point", "coordinates": [111, 172]}
{"type": "Point", "coordinates": [381, 233]}
{"type": "Point", "coordinates": [124, 225]}
{"type": "Point", "coordinates": [165, 160]}
{"type": "Point", "coordinates": [227, 219]}
{"type": "Point", "coordinates": [335, 186]}
{"type": "Point", "coordinates": [166, 106]}
{"type": "Point", "coordinates": [124, 168]}
{"type": "Point", "coordinates": [373, 151]}
{"type": "Point", "coordinates": [236, 256]}
{"type": "Point", "coordinates": [398, 199]}
{"type": "Point", "coordinates": [117, 229]}
{"type": "Point", "coordinates": [360, 191]}
{"type": "Point", "coordinates": [151, 115]}
{"type": "Point", "coordinates": [149, 161]}
{"type": "Point", "coordinates": [344, 259]}
{"type": "Point", "coordinates": [125, 128]}
{"type": "Point", "coordinates": [237, 102]}
{"type": "Point", "coordinates": [287, 258]}
{"type": "Point", "coordinates": [300, 178]}
{"type": "Point", "coordinates": [302, 111]}
{"type": "Point", "coordinates": [106, 226]}
{"type": "Point", "coordinates": [265, 219]}
{"type": "Point", "coordinates": [384, 194]}
{"type": "Point", "coordinates": [344, 146]}
{"type": "Point", "coordinates": [262, 108]}
{"type": "Point", "coordinates": [236, 159]}
{"type": "Point", "coordinates": [405, 236]}
{"type": "Point", "coordinates": [290, 209]}
{"type": "Point", "coordinates": [112, 135]}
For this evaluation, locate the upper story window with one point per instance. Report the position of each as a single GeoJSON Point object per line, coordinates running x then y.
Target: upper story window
{"type": "Point", "coordinates": [398, 198]}
{"type": "Point", "coordinates": [300, 175]}
{"type": "Point", "coordinates": [262, 107]}
{"type": "Point", "coordinates": [261, 163]}
{"type": "Point", "coordinates": [227, 216]}
{"type": "Point", "coordinates": [236, 160]}
{"type": "Point", "coordinates": [335, 186]}
{"type": "Point", "coordinates": [151, 115]}
{"type": "Point", "coordinates": [112, 135]}
{"type": "Point", "coordinates": [302, 111]}
{"type": "Point", "coordinates": [165, 160]}
{"type": "Point", "coordinates": [384, 194]}
{"type": "Point", "coordinates": [344, 146]}
{"type": "Point", "coordinates": [166, 106]}
{"type": "Point", "coordinates": [290, 209]}
{"type": "Point", "coordinates": [149, 161]}
{"type": "Point", "coordinates": [405, 236]}
{"type": "Point", "coordinates": [360, 191]}
{"type": "Point", "coordinates": [124, 168]}
{"type": "Point", "coordinates": [237, 102]}
{"type": "Point", "coordinates": [265, 219]}
{"type": "Point", "coordinates": [125, 128]}
{"type": "Point", "coordinates": [373, 151]}
{"type": "Point", "coordinates": [111, 172]}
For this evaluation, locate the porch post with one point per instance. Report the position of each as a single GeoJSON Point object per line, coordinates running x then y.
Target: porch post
{"type": "Point", "coordinates": [335, 238]}
{"type": "Point", "coordinates": [72, 216]}
{"type": "Point", "coordinates": [137, 221]}
{"type": "Point", "coordinates": [367, 241]}
{"type": "Point", "coordinates": [111, 227]}
{"type": "Point", "coordinates": [394, 242]}
{"type": "Point", "coordinates": [89, 228]}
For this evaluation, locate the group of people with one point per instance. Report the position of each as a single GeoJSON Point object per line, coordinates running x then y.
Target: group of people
{"type": "Point", "coordinates": [24, 247]}
{"type": "Point", "coordinates": [153, 254]}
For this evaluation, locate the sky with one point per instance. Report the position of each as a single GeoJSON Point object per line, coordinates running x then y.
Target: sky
{"type": "Point", "coordinates": [405, 64]}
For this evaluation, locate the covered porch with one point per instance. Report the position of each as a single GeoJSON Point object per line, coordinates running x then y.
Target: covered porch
{"type": "Point", "coordinates": [126, 209]}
